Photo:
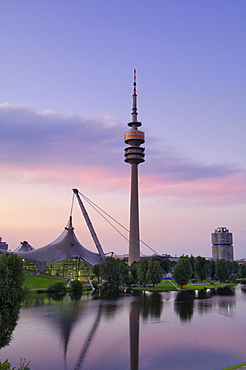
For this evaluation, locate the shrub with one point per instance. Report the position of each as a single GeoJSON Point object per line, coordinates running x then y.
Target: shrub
{"type": "Point", "coordinates": [6, 365]}
{"type": "Point", "coordinates": [76, 285]}
{"type": "Point", "coordinates": [57, 287]}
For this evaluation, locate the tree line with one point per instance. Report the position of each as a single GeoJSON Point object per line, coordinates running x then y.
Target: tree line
{"type": "Point", "coordinates": [144, 272]}
{"type": "Point", "coordinates": [149, 271]}
{"type": "Point", "coordinates": [190, 267]}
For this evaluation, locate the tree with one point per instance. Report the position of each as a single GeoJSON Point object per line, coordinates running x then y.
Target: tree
{"type": "Point", "coordinates": [76, 285]}
{"type": "Point", "coordinates": [97, 271]}
{"type": "Point", "coordinates": [11, 280]}
{"type": "Point", "coordinates": [8, 320]}
{"type": "Point", "coordinates": [182, 271]}
{"type": "Point", "coordinates": [115, 271]}
{"type": "Point", "coordinates": [6, 365]}
{"type": "Point", "coordinates": [222, 270]}
{"type": "Point", "coordinates": [58, 287]}
{"type": "Point", "coordinates": [142, 270]}
{"type": "Point", "coordinates": [125, 277]}
{"type": "Point", "coordinates": [165, 264]}
{"type": "Point", "coordinates": [242, 271]}
{"type": "Point", "coordinates": [134, 272]}
{"type": "Point", "coordinates": [110, 270]}
{"type": "Point", "coordinates": [154, 273]}
{"type": "Point", "coordinates": [201, 267]}
{"type": "Point", "coordinates": [192, 262]}
{"type": "Point", "coordinates": [235, 267]}
{"type": "Point", "coordinates": [230, 267]}
{"type": "Point", "coordinates": [11, 295]}
{"type": "Point", "coordinates": [212, 269]}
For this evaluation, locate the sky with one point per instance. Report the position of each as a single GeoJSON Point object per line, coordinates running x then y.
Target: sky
{"type": "Point", "coordinates": [66, 75]}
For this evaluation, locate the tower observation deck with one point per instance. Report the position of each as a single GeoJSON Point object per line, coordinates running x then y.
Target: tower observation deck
{"type": "Point", "coordinates": [134, 154]}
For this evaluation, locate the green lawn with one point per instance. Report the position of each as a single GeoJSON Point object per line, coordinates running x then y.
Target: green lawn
{"type": "Point", "coordinates": [236, 366]}
{"type": "Point", "coordinates": [165, 286]}
{"type": "Point", "coordinates": [40, 281]}
{"type": "Point", "coordinates": [36, 282]}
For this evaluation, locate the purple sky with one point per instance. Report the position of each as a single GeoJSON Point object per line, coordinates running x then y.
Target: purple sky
{"type": "Point", "coordinates": [66, 73]}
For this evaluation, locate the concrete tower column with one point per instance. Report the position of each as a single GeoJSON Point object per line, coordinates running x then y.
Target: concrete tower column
{"type": "Point", "coordinates": [134, 245]}
{"type": "Point", "coordinates": [134, 155]}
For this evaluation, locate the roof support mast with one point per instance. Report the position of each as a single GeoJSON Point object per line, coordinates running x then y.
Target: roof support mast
{"type": "Point", "coordinates": [89, 224]}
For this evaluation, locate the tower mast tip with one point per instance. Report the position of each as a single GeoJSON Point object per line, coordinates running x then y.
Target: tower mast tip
{"type": "Point", "coordinates": [135, 82]}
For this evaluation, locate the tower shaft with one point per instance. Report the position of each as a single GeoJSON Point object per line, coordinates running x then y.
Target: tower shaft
{"type": "Point", "coordinates": [134, 245]}
{"type": "Point", "coordinates": [134, 154]}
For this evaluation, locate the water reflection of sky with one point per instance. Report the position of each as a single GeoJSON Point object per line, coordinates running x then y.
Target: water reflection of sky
{"type": "Point", "coordinates": [175, 331]}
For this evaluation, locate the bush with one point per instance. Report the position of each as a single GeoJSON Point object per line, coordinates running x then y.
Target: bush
{"type": "Point", "coordinates": [6, 365]}
{"type": "Point", "coordinates": [57, 287]}
{"type": "Point", "coordinates": [76, 285]}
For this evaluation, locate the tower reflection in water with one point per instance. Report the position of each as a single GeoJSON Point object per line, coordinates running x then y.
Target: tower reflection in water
{"type": "Point", "coordinates": [68, 316]}
{"type": "Point", "coordinates": [147, 306]}
{"type": "Point", "coordinates": [108, 327]}
{"type": "Point", "coordinates": [134, 335]}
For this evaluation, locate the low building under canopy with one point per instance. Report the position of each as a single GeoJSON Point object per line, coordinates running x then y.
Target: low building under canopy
{"type": "Point", "coordinates": [65, 248]}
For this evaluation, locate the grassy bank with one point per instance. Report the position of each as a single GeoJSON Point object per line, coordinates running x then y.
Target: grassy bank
{"type": "Point", "coordinates": [236, 367]}
{"type": "Point", "coordinates": [36, 282]}
{"type": "Point", "coordinates": [165, 286]}
{"type": "Point", "coordinates": [41, 282]}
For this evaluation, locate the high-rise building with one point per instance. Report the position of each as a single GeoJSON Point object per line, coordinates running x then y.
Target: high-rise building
{"type": "Point", "coordinates": [222, 244]}
{"type": "Point", "coordinates": [134, 154]}
{"type": "Point", "coordinates": [3, 245]}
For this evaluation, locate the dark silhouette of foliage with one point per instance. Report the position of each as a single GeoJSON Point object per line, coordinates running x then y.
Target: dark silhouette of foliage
{"type": "Point", "coordinates": [124, 272]}
{"type": "Point", "coordinates": [235, 267]}
{"type": "Point", "coordinates": [134, 272]}
{"type": "Point", "coordinates": [212, 269]}
{"type": "Point", "coordinates": [182, 271]}
{"type": "Point", "coordinates": [222, 270]}
{"type": "Point", "coordinates": [97, 271]}
{"type": "Point", "coordinates": [150, 305]}
{"type": "Point", "coordinates": [229, 266]}
{"type": "Point", "coordinates": [56, 296]}
{"type": "Point", "coordinates": [11, 280]}
{"type": "Point", "coordinates": [11, 295]}
{"type": "Point", "coordinates": [58, 287]}
{"type": "Point", "coordinates": [75, 295]}
{"type": "Point", "coordinates": [154, 273]}
{"type": "Point", "coordinates": [165, 264]}
{"type": "Point", "coordinates": [192, 262]}
{"type": "Point", "coordinates": [76, 285]}
{"type": "Point", "coordinates": [114, 271]}
{"type": "Point", "coordinates": [8, 320]}
{"type": "Point", "coordinates": [242, 271]}
{"type": "Point", "coordinates": [184, 305]}
{"type": "Point", "coordinates": [142, 270]}
{"type": "Point", "coordinates": [202, 267]}
{"type": "Point", "coordinates": [6, 365]}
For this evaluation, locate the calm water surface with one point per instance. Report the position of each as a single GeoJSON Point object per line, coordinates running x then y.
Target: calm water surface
{"type": "Point", "coordinates": [184, 330]}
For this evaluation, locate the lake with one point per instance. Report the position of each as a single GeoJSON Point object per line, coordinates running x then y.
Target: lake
{"type": "Point", "coordinates": [119, 330]}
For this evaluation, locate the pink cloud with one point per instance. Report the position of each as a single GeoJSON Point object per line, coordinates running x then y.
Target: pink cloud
{"type": "Point", "coordinates": [227, 190]}
{"type": "Point", "coordinates": [51, 147]}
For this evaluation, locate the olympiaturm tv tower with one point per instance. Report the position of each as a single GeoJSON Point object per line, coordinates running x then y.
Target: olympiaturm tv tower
{"type": "Point", "coordinates": [134, 155]}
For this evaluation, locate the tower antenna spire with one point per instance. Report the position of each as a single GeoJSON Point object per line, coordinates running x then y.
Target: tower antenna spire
{"type": "Point", "coordinates": [134, 97]}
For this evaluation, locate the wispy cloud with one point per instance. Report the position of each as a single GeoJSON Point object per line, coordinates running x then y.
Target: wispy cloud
{"type": "Point", "coordinates": [49, 146]}
{"type": "Point", "coordinates": [33, 138]}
